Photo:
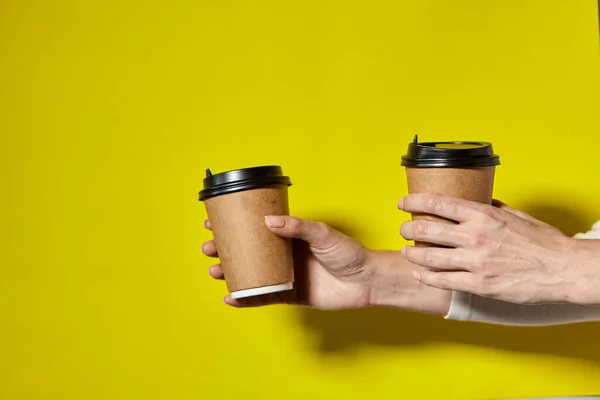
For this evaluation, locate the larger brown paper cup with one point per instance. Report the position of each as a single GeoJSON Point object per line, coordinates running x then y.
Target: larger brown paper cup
{"type": "Point", "coordinates": [459, 169]}
{"type": "Point", "coordinates": [254, 260]}
{"type": "Point", "coordinates": [476, 184]}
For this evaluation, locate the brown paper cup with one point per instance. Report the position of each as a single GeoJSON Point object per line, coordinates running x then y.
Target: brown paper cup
{"type": "Point", "coordinates": [458, 169]}
{"type": "Point", "coordinates": [254, 259]}
{"type": "Point", "coordinates": [475, 184]}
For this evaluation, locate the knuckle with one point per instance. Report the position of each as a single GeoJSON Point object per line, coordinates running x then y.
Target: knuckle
{"type": "Point", "coordinates": [322, 227]}
{"type": "Point", "coordinates": [294, 224]}
{"type": "Point", "coordinates": [482, 240]}
{"type": "Point", "coordinates": [420, 229]}
{"type": "Point", "coordinates": [322, 230]}
{"type": "Point", "coordinates": [433, 204]}
{"type": "Point", "coordinates": [429, 258]}
{"type": "Point", "coordinates": [485, 285]}
{"type": "Point", "coordinates": [488, 213]}
{"type": "Point", "coordinates": [444, 281]}
{"type": "Point", "coordinates": [322, 236]}
{"type": "Point", "coordinates": [501, 225]}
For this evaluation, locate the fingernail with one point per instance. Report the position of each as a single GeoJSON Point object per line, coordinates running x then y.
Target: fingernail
{"type": "Point", "coordinates": [404, 251]}
{"type": "Point", "coordinates": [417, 275]}
{"type": "Point", "coordinates": [275, 221]}
{"type": "Point", "coordinates": [401, 204]}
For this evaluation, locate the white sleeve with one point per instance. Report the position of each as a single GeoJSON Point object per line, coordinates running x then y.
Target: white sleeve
{"type": "Point", "coordinates": [469, 307]}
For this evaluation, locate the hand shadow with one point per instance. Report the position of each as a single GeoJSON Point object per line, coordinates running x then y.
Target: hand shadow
{"type": "Point", "coordinates": [569, 221]}
{"type": "Point", "coordinates": [344, 332]}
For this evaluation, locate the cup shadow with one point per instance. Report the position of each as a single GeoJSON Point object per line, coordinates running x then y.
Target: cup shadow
{"type": "Point", "coordinates": [344, 332]}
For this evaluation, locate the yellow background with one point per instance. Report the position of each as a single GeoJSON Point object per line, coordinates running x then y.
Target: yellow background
{"type": "Point", "coordinates": [110, 111]}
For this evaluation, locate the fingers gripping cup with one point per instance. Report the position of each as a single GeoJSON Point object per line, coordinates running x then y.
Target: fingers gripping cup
{"type": "Point", "coordinates": [255, 261]}
{"type": "Point", "coordinates": [459, 169]}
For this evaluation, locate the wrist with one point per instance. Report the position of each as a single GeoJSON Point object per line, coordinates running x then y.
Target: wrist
{"type": "Point", "coordinates": [394, 286]}
{"type": "Point", "coordinates": [583, 264]}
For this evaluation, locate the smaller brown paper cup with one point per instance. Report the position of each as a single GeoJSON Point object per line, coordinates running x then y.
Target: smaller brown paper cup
{"type": "Point", "coordinates": [251, 255]}
{"type": "Point", "coordinates": [254, 260]}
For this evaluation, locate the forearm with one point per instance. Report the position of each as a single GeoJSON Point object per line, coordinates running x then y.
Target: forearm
{"type": "Point", "coordinates": [394, 286]}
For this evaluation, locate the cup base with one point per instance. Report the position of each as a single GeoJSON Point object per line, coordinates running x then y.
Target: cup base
{"type": "Point", "coordinates": [262, 290]}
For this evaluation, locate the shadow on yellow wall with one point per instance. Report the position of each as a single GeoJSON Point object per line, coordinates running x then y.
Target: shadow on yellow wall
{"type": "Point", "coordinates": [343, 332]}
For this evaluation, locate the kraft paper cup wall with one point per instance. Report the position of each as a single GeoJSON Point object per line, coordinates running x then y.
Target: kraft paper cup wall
{"type": "Point", "coordinates": [460, 169]}
{"type": "Point", "coordinates": [254, 260]}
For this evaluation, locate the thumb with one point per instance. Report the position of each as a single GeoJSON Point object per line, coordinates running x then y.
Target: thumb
{"type": "Point", "coordinates": [317, 234]}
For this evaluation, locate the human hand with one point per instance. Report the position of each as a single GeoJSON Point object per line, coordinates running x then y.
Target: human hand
{"type": "Point", "coordinates": [498, 252]}
{"type": "Point", "coordinates": [334, 272]}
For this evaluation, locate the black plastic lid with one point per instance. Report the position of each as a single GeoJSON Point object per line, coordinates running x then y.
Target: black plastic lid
{"type": "Point", "coordinates": [449, 154]}
{"type": "Point", "coordinates": [242, 179]}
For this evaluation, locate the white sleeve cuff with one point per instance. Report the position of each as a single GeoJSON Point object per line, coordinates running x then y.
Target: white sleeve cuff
{"type": "Point", "coordinates": [469, 307]}
{"type": "Point", "coordinates": [460, 307]}
{"type": "Point", "coordinates": [594, 233]}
